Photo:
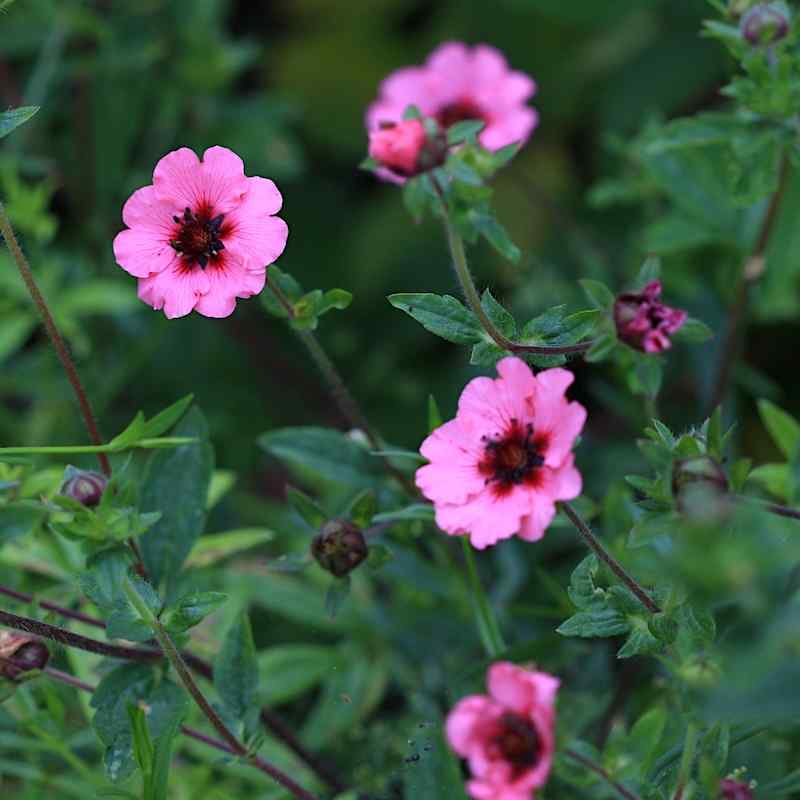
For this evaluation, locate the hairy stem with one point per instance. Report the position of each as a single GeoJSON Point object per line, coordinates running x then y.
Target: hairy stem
{"type": "Point", "coordinates": [347, 404]}
{"type": "Point", "coordinates": [751, 271]}
{"type": "Point", "coordinates": [598, 770]}
{"type": "Point", "coordinates": [55, 337]}
{"type": "Point", "coordinates": [70, 639]}
{"type": "Point", "coordinates": [268, 717]}
{"type": "Point", "coordinates": [473, 298]}
{"type": "Point", "coordinates": [485, 618]}
{"type": "Point", "coordinates": [179, 665]}
{"type": "Point", "coordinates": [598, 549]}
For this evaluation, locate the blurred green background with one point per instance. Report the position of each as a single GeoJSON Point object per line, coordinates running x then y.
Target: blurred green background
{"type": "Point", "coordinates": [286, 85]}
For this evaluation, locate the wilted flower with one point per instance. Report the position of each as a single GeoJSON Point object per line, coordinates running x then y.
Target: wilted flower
{"type": "Point", "coordinates": [21, 653]}
{"type": "Point", "coordinates": [83, 485]}
{"type": "Point", "coordinates": [644, 322]}
{"type": "Point", "coordinates": [202, 234]}
{"type": "Point", "coordinates": [499, 467]}
{"type": "Point", "coordinates": [339, 547]}
{"type": "Point", "coordinates": [459, 83]}
{"type": "Point", "coordinates": [507, 735]}
{"type": "Point", "coordinates": [766, 23]}
{"type": "Point", "coordinates": [405, 148]}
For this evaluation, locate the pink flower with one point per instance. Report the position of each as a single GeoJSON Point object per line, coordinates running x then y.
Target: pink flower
{"type": "Point", "coordinates": [404, 149]}
{"type": "Point", "coordinates": [644, 322]}
{"type": "Point", "coordinates": [499, 466]}
{"type": "Point", "coordinates": [202, 234]}
{"type": "Point", "coordinates": [507, 737]}
{"type": "Point", "coordinates": [732, 789]}
{"type": "Point", "coordinates": [459, 83]}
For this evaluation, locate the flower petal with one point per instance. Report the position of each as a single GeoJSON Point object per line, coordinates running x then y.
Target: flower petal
{"type": "Point", "coordinates": [228, 280]}
{"type": "Point", "coordinates": [176, 290]}
{"type": "Point", "coordinates": [256, 235]}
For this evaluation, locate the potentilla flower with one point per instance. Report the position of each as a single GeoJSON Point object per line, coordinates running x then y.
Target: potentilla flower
{"type": "Point", "coordinates": [507, 735]}
{"type": "Point", "coordinates": [459, 83]}
{"type": "Point", "coordinates": [644, 322]}
{"type": "Point", "coordinates": [202, 234]}
{"type": "Point", "coordinates": [499, 467]}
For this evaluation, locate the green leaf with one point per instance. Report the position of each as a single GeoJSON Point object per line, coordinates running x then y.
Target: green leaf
{"type": "Point", "coordinates": [363, 508]}
{"type": "Point", "coordinates": [218, 546]}
{"type": "Point", "coordinates": [598, 293]}
{"type": "Point", "coordinates": [311, 513]}
{"type": "Point", "coordinates": [464, 130]}
{"type": "Point", "coordinates": [600, 623]}
{"type": "Point", "coordinates": [142, 743]}
{"type": "Point", "coordinates": [192, 609]}
{"type": "Point", "coordinates": [323, 452]}
{"type": "Point", "coordinates": [417, 511]}
{"type": "Point", "coordinates": [601, 348]}
{"type": "Point", "coordinates": [649, 272]}
{"type": "Point", "coordinates": [20, 518]}
{"type": "Point", "coordinates": [176, 484]}
{"type": "Point", "coordinates": [337, 593]}
{"type": "Point", "coordinates": [236, 669]}
{"type": "Point", "coordinates": [497, 236]}
{"type": "Point", "coordinates": [500, 317]}
{"type": "Point", "coordinates": [432, 771]}
{"type": "Point", "coordinates": [693, 331]}
{"type": "Point", "coordinates": [288, 671]}
{"type": "Point", "coordinates": [163, 421]}
{"type": "Point", "coordinates": [783, 428]}
{"type": "Point", "coordinates": [287, 284]}
{"type": "Point", "coordinates": [442, 315]}
{"type": "Point", "coordinates": [640, 641]}
{"type": "Point", "coordinates": [645, 737]}
{"type": "Point", "coordinates": [159, 783]}
{"type": "Point", "coordinates": [772, 477]}
{"type": "Point", "coordinates": [10, 120]}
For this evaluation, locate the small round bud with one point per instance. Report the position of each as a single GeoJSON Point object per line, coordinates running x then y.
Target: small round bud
{"type": "Point", "coordinates": [695, 482]}
{"type": "Point", "coordinates": [766, 23]}
{"type": "Point", "coordinates": [21, 653]}
{"type": "Point", "coordinates": [407, 148]}
{"type": "Point", "coordinates": [339, 547]}
{"type": "Point", "coordinates": [732, 789]}
{"type": "Point", "coordinates": [85, 486]}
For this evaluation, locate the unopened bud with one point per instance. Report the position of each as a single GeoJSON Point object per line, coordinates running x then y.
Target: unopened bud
{"type": "Point", "coordinates": [766, 23]}
{"type": "Point", "coordinates": [83, 485]}
{"type": "Point", "coordinates": [21, 653]}
{"type": "Point", "coordinates": [406, 148]}
{"type": "Point", "coordinates": [644, 322]}
{"type": "Point", "coordinates": [700, 478]}
{"type": "Point", "coordinates": [339, 547]}
{"type": "Point", "coordinates": [732, 789]}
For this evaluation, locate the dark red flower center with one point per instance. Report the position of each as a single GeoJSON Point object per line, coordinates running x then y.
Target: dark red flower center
{"type": "Point", "coordinates": [517, 742]}
{"type": "Point", "coordinates": [198, 238]}
{"type": "Point", "coordinates": [463, 109]}
{"type": "Point", "coordinates": [512, 458]}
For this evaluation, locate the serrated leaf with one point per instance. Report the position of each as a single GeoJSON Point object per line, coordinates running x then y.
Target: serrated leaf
{"type": "Point", "coordinates": [236, 669]}
{"type": "Point", "coordinates": [603, 622]}
{"type": "Point", "coordinates": [176, 484]}
{"type": "Point", "coordinates": [442, 315]}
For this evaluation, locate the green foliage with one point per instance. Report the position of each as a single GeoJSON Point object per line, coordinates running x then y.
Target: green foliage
{"type": "Point", "coordinates": [306, 308]}
{"type": "Point", "coordinates": [236, 670]}
{"type": "Point", "coordinates": [12, 119]}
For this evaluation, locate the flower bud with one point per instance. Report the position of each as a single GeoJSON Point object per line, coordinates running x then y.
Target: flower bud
{"type": "Point", "coordinates": [406, 148]}
{"type": "Point", "coordinates": [732, 789]}
{"type": "Point", "coordinates": [697, 480]}
{"type": "Point", "coordinates": [766, 23]}
{"type": "Point", "coordinates": [339, 547]}
{"type": "Point", "coordinates": [644, 322]}
{"type": "Point", "coordinates": [21, 653]}
{"type": "Point", "coordinates": [85, 486]}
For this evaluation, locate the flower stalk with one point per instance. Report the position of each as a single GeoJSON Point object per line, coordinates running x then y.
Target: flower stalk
{"type": "Point", "coordinates": [485, 618]}
{"type": "Point", "coordinates": [182, 670]}
{"type": "Point", "coordinates": [55, 338]}
{"type": "Point", "coordinates": [597, 548]}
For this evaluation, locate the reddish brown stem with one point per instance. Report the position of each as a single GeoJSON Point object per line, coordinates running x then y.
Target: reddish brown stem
{"type": "Point", "coordinates": [598, 770]}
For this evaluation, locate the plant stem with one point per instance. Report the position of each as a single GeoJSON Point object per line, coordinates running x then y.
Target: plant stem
{"type": "Point", "coordinates": [268, 717]}
{"type": "Point", "coordinates": [55, 336]}
{"type": "Point", "coordinates": [473, 298]}
{"type": "Point", "coordinates": [773, 508]}
{"type": "Point", "coordinates": [485, 618]}
{"type": "Point", "coordinates": [348, 406]}
{"type": "Point", "coordinates": [685, 771]}
{"type": "Point", "coordinates": [70, 639]}
{"type": "Point", "coordinates": [179, 665]}
{"type": "Point", "coordinates": [64, 612]}
{"type": "Point", "coordinates": [598, 770]}
{"type": "Point", "coordinates": [751, 271]}
{"type": "Point", "coordinates": [71, 680]}
{"type": "Point", "coordinates": [598, 549]}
